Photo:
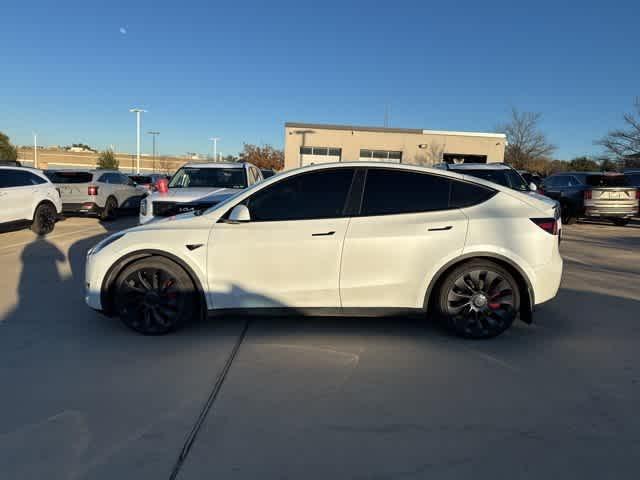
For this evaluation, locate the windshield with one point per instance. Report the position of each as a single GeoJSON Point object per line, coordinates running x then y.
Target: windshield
{"type": "Point", "coordinates": [209, 178]}
{"type": "Point", "coordinates": [608, 181]}
{"type": "Point", "coordinates": [507, 178]}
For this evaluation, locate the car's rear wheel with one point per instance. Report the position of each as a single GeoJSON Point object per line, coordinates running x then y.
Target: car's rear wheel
{"type": "Point", "coordinates": [567, 215]}
{"type": "Point", "coordinates": [109, 210]}
{"type": "Point", "coordinates": [44, 219]}
{"type": "Point", "coordinates": [479, 299]}
{"type": "Point", "coordinates": [154, 296]}
{"type": "Point", "coordinates": [620, 222]}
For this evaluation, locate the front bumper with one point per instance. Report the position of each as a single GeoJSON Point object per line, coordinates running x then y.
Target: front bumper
{"type": "Point", "coordinates": [92, 285]}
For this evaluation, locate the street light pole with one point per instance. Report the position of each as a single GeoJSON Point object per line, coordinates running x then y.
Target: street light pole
{"type": "Point", "coordinates": [35, 150]}
{"type": "Point", "coordinates": [215, 147]}
{"type": "Point", "coordinates": [137, 111]}
{"type": "Point", "coordinates": [154, 135]}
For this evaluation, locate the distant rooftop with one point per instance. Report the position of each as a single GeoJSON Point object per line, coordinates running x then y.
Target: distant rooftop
{"type": "Point", "coordinates": [415, 131]}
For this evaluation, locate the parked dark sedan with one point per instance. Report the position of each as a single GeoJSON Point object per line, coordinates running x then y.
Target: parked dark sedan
{"type": "Point", "coordinates": [593, 194]}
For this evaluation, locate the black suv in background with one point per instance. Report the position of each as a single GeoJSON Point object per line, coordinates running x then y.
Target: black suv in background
{"type": "Point", "coordinates": [593, 194]}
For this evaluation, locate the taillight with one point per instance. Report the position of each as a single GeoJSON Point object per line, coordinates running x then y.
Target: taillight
{"type": "Point", "coordinates": [549, 225]}
{"type": "Point", "coordinates": [587, 194]}
{"type": "Point", "coordinates": [638, 194]}
{"type": "Point", "coordinates": [92, 190]}
{"type": "Point", "coordinates": [162, 185]}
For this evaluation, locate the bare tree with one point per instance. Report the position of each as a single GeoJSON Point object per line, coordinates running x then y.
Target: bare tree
{"type": "Point", "coordinates": [433, 153]}
{"type": "Point", "coordinates": [625, 141]}
{"type": "Point", "coordinates": [525, 140]}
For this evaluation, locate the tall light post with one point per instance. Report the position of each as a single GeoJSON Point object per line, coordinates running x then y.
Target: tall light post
{"type": "Point", "coordinates": [35, 150]}
{"type": "Point", "coordinates": [137, 111]}
{"type": "Point", "coordinates": [154, 135]}
{"type": "Point", "coordinates": [215, 147]}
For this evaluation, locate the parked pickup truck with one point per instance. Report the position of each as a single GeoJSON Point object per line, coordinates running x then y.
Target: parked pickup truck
{"type": "Point", "coordinates": [593, 194]}
{"type": "Point", "coordinates": [98, 192]}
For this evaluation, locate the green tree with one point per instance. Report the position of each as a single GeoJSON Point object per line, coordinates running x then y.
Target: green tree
{"type": "Point", "coordinates": [7, 150]}
{"type": "Point", "coordinates": [584, 164]}
{"type": "Point", "coordinates": [107, 160]}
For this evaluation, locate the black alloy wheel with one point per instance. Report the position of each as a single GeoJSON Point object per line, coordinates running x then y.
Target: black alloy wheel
{"type": "Point", "coordinates": [154, 296]}
{"type": "Point", "coordinates": [44, 219]}
{"type": "Point", "coordinates": [479, 300]}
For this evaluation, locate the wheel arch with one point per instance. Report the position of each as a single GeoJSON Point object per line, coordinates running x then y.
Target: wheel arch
{"type": "Point", "coordinates": [44, 201]}
{"type": "Point", "coordinates": [106, 289]}
{"type": "Point", "coordinates": [524, 283]}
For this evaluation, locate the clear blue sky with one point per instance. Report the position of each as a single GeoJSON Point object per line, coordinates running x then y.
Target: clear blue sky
{"type": "Point", "coordinates": [239, 70]}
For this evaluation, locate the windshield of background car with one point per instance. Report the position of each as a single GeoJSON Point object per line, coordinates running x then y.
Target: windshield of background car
{"type": "Point", "coordinates": [608, 181]}
{"type": "Point", "coordinates": [141, 179]}
{"type": "Point", "coordinates": [507, 178]}
{"type": "Point", "coordinates": [209, 177]}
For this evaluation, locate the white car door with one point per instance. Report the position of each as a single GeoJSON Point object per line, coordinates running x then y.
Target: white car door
{"type": "Point", "coordinates": [16, 195]}
{"type": "Point", "coordinates": [288, 255]}
{"type": "Point", "coordinates": [405, 231]}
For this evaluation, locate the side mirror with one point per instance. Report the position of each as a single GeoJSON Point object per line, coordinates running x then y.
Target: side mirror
{"type": "Point", "coordinates": [240, 213]}
{"type": "Point", "coordinates": [533, 187]}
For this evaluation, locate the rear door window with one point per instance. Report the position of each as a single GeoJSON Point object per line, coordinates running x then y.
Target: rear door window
{"type": "Point", "coordinates": [19, 178]}
{"type": "Point", "coordinates": [394, 191]}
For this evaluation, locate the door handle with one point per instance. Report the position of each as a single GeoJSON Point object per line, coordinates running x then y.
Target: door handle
{"type": "Point", "coordinates": [325, 234]}
{"type": "Point", "coordinates": [440, 229]}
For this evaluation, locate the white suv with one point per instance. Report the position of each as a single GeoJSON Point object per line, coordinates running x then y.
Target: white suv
{"type": "Point", "coordinates": [96, 192]}
{"type": "Point", "coordinates": [348, 238]}
{"type": "Point", "coordinates": [27, 196]}
{"type": "Point", "coordinates": [198, 186]}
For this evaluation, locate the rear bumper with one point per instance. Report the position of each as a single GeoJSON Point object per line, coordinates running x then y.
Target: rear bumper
{"type": "Point", "coordinates": [617, 209]}
{"type": "Point", "coordinates": [86, 208]}
{"type": "Point", "coordinates": [547, 280]}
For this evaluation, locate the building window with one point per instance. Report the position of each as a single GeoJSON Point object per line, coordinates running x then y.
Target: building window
{"type": "Point", "coordinates": [331, 151]}
{"type": "Point", "coordinates": [381, 155]}
{"type": "Point", "coordinates": [463, 158]}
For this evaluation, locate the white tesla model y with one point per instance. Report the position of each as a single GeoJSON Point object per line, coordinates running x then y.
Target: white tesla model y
{"type": "Point", "coordinates": [349, 238]}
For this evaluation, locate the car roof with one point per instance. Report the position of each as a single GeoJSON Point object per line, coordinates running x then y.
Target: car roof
{"type": "Point", "coordinates": [26, 169]}
{"type": "Point", "coordinates": [217, 165]}
{"type": "Point", "coordinates": [478, 166]}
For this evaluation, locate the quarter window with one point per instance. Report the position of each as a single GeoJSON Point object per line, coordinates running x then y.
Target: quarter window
{"type": "Point", "coordinates": [319, 194]}
{"type": "Point", "coordinates": [465, 194]}
{"type": "Point", "coordinates": [391, 192]}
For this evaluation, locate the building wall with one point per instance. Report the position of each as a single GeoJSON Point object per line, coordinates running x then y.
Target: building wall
{"type": "Point", "coordinates": [408, 141]}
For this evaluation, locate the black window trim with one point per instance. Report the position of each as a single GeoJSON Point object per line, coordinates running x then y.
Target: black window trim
{"type": "Point", "coordinates": [451, 180]}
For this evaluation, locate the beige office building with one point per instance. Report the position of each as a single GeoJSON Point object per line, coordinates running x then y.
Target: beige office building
{"type": "Point", "coordinates": [307, 144]}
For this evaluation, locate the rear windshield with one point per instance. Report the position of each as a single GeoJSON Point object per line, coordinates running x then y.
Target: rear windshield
{"type": "Point", "coordinates": [506, 178]}
{"type": "Point", "coordinates": [634, 179]}
{"type": "Point", "coordinates": [607, 181]}
{"type": "Point", "coordinates": [69, 177]}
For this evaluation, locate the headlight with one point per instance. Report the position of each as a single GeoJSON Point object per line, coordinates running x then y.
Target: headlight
{"type": "Point", "coordinates": [143, 206]}
{"type": "Point", "coordinates": [107, 241]}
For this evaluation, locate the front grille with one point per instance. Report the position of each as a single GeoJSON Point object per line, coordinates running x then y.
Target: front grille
{"type": "Point", "coordinates": [168, 209]}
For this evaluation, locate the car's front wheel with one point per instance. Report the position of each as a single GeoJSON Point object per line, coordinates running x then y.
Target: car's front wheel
{"type": "Point", "coordinates": [479, 299]}
{"type": "Point", "coordinates": [154, 296]}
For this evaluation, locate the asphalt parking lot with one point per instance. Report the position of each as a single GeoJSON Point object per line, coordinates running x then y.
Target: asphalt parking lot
{"type": "Point", "coordinates": [83, 397]}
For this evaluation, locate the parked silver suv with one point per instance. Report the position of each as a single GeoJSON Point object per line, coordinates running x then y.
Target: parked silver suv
{"type": "Point", "coordinates": [98, 192]}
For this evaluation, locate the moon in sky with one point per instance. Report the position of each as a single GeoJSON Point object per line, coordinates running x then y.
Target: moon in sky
{"type": "Point", "coordinates": [123, 30]}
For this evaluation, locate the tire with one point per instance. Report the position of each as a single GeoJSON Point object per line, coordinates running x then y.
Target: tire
{"type": "Point", "coordinates": [479, 299]}
{"type": "Point", "coordinates": [154, 296]}
{"type": "Point", "coordinates": [44, 219]}
{"type": "Point", "coordinates": [109, 211]}
{"type": "Point", "coordinates": [620, 222]}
